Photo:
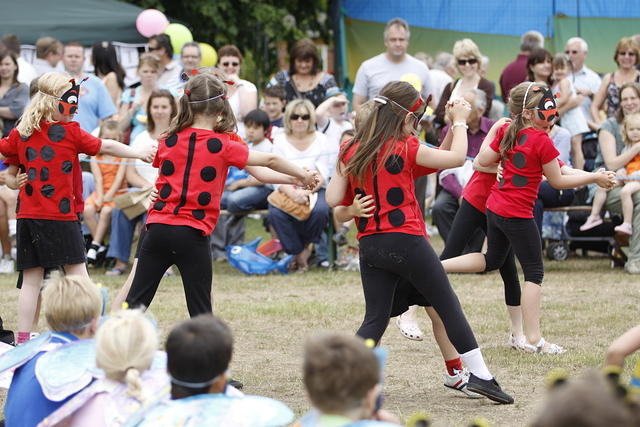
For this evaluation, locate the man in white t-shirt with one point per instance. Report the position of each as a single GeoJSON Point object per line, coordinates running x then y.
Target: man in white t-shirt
{"type": "Point", "coordinates": [585, 81]}
{"type": "Point", "coordinates": [394, 64]}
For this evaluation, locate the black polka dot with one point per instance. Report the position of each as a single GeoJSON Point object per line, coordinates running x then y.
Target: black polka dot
{"type": "Point", "coordinates": [44, 174]}
{"type": "Point", "coordinates": [501, 183]}
{"type": "Point", "coordinates": [48, 190]}
{"type": "Point", "coordinates": [359, 191]}
{"type": "Point", "coordinates": [394, 164]}
{"type": "Point", "coordinates": [519, 160]}
{"type": "Point", "coordinates": [395, 196]}
{"type": "Point", "coordinates": [18, 204]}
{"type": "Point", "coordinates": [522, 139]}
{"type": "Point", "coordinates": [159, 205]}
{"type": "Point", "coordinates": [24, 138]}
{"type": "Point", "coordinates": [67, 166]}
{"type": "Point", "coordinates": [64, 206]}
{"type": "Point", "coordinates": [56, 133]}
{"type": "Point", "coordinates": [362, 224]}
{"type": "Point", "coordinates": [167, 168]}
{"type": "Point", "coordinates": [396, 217]}
{"type": "Point", "coordinates": [47, 153]}
{"type": "Point", "coordinates": [171, 140]}
{"type": "Point", "coordinates": [204, 198]}
{"type": "Point", "coordinates": [519, 180]}
{"type": "Point", "coordinates": [32, 174]}
{"type": "Point", "coordinates": [198, 214]}
{"type": "Point", "coordinates": [28, 189]}
{"type": "Point", "coordinates": [208, 173]}
{"type": "Point", "coordinates": [31, 154]}
{"type": "Point", "coordinates": [214, 145]}
{"type": "Point", "coordinates": [165, 191]}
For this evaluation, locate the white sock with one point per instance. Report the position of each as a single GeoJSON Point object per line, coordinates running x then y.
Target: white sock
{"type": "Point", "coordinates": [474, 362]}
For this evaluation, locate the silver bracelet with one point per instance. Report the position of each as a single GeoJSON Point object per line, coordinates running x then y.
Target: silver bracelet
{"type": "Point", "coordinates": [461, 124]}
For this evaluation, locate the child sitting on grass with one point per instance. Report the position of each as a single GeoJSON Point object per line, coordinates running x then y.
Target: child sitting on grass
{"type": "Point", "coordinates": [72, 306]}
{"type": "Point", "coordinates": [631, 136]}
{"type": "Point", "coordinates": [342, 378]}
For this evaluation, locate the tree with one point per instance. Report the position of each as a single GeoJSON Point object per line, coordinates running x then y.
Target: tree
{"type": "Point", "coordinates": [256, 27]}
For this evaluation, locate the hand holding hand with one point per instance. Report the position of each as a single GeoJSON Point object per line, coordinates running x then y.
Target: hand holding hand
{"type": "Point", "coordinates": [459, 110]}
{"type": "Point", "coordinates": [311, 180]}
{"type": "Point", "coordinates": [605, 179]}
{"type": "Point", "coordinates": [21, 179]}
{"type": "Point", "coordinates": [147, 153]}
{"type": "Point", "coordinates": [153, 196]}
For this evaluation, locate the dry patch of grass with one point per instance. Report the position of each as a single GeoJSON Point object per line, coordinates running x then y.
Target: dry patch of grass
{"type": "Point", "coordinates": [586, 305]}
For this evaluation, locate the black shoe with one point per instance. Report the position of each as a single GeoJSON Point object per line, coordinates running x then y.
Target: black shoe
{"type": "Point", "coordinates": [489, 389]}
{"type": "Point", "coordinates": [235, 383]}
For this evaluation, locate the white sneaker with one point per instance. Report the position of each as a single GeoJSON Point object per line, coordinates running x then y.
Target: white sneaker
{"type": "Point", "coordinates": [459, 381]}
{"type": "Point", "coordinates": [7, 266]}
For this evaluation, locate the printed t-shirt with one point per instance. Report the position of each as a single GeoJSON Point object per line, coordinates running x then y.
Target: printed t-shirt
{"type": "Point", "coordinates": [393, 190]}
{"type": "Point", "coordinates": [517, 191]}
{"type": "Point", "coordinates": [193, 169]}
{"type": "Point", "coordinates": [49, 158]}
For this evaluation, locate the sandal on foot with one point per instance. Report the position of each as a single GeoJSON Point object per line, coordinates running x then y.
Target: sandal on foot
{"type": "Point", "coordinates": [591, 222]}
{"type": "Point", "coordinates": [543, 347]}
{"type": "Point", "coordinates": [115, 272]}
{"type": "Point", "coordinates": [409, 329]}
{"type": "Point", "coordinates": [516, 343]}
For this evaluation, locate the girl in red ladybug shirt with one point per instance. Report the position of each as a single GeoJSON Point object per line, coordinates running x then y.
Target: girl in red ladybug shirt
{"type": "Point", "coordinates": [526, 153]}
{"type": "Point", "coordinates": [382, 161]}
{"type": "Point", "coordinates": [193, 160]}
{"type": "Point", "coordinates": [45, 144]}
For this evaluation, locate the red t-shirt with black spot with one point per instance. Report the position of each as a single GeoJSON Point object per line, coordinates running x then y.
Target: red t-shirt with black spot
{"type": "Point", "coordinates": [393, 190]}
{"type": "Point", "coordinates": [517, 191]}
{"type": "Point", "coordinates": [192, 172]}
{"type": "Point", "coordinates": [50, 159]}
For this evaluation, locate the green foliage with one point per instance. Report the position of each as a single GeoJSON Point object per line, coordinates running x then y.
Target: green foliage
{"type": "Point", "coordinates": [256, 27]}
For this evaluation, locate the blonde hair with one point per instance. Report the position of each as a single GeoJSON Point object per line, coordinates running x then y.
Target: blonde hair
{"type": "Point", "coordinates": [466, 48]}
{"type": "Point", "coordinates": [44, 103]}
{"type": "Point", "coordinates": [628, 120]}
{"type": "Point", "coordinates": [292, 106]}
{"type": "Point", "coordinates": [627, 43]}
{"type": "Point", "coordinates": [363, 113]}
{"type": "Point", "coordinates": [150, 60]}
{"type": "Point", "coordinates": [110, 125]}
{"type": "Point", "coordinates": [70, 302]}
{"type": "Point", "coordinates": [125, 345]}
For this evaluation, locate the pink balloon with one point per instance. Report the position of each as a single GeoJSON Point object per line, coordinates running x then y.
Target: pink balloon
{"type": "Point", "coordinates": [151, 22]}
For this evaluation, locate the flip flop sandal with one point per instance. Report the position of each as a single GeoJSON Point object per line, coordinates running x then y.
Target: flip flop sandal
{"type": "Point", "coordinates": [543, 347]}
{"type": "Point", "coordinates": [410, 330]}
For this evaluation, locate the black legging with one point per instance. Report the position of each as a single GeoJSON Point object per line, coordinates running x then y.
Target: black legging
{"type": "Point", "coordinates": [389, 258]}
{"type": "Point", "coordinates": [163, 246]}
{"type": "Point", "coordinates": [522, 235]}
{"type": "Point", "coordinates": [467, 221]}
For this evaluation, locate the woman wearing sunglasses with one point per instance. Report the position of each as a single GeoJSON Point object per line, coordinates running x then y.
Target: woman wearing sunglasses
{"type": "Point", "coordinates": [467, 57]}
{"type": "Point", "coordinates": [302, 144]}
{"type": "Point", "coordinates": [627, 57]}
{"type": "Point", "coordinates": [243, 95]}
{"type": "Point", "coordinates": [304, 78]}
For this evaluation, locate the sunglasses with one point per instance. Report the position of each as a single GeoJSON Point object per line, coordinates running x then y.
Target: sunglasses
{"type": "Point", "coordinates": [572, 52]}
{"type": "Point", "coordinates": [469, 61]}
{"type": "Point", "coordinates": [230, 64]}
{"type": "Point", "coordinates": [305, 117]}
{"type": "Point", "coordinates": [153, 49]}
{"type": "Point", "coordinates": [627, 53]}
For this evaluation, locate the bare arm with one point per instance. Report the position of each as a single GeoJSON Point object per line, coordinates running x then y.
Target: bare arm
{"type": "Point", "coordinates": [608, 149]}
{"type": "Point", "coordinates": [97, 176]}
{"type": "Point", "coordinates": [13, 179]}
{"type": "Point", "coordinates": [358, 100]}
{"type": "Point", "coordinates": [492, 167]}
{"type": "Point", "coordinates": [562, 182]}
{"type": "Point", "coordinates": [118, 149]}
{"type": "Point", "coordinates": [5, 113]}
{"type": "Point", "coordinates": [599, 98]}
{"type": "Point", "coordinates": [281, 165]}
{"type": "Point", "coordinates": [134, 179]}
{"type": "Point", "coordinates": [117, 182]}
{"type": "Point", "coordinates": [361, 207]}
{"type": "Point", "coordinates": [337, 187]}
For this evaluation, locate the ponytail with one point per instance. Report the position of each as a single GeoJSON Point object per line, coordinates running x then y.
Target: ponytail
{"type": "Point", "coordinates": [134, 384]}
{"type": "Point", "coordinates": [521, 98]}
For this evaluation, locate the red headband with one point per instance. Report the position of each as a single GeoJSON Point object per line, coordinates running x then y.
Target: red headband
{"type": "Point", "coordinates": [417, 105]}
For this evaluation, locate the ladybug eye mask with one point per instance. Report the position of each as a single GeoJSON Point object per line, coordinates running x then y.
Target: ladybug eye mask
{"type": "Point", "coordinates": [547, 109]}
{"type": "Point", "coordinates": [68, 102]}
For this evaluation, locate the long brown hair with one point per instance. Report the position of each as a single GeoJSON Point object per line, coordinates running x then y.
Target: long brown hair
{"type": "Point", "coordinates": [516, 108]}
{"type": "Point", "coordinates": [384, 123]}
{"type": "Point", "coordinates": [204, 86]}
{"type": "Point", "coordinates": [538, 56]}
{"type": "Point", "coordinates": [636, 89]}
{"type": "Point", "coordinates": [160, 93]}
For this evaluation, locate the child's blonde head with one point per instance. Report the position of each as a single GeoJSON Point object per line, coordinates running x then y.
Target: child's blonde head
{"type": "Point", "coordinates": [125, 345]}
{"type": "Point", "coordinates": [110, 129]}
{"type": "Point", "coordinates": [363, 113]}
{"type": "Point", "coordinates": [43, 104]}
{"type": "Point", "coordinates": [630, 121]}
{"type": "Point", "coordinates": [70, 302]}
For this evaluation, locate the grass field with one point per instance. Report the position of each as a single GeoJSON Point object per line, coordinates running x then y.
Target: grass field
{"type": "Point", "coordinates": [586, 305]}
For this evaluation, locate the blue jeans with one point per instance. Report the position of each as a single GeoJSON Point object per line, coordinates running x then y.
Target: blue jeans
{"type": "Point", "coordinates": [246, 199]}
{"type": "Point", "coordinates": [122, 229]}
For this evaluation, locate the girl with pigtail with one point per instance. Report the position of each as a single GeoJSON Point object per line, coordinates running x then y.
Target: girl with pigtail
{"type": "Point", "coordinates": [126, 344]}
{"type": "Point", "coordinates": [526, 153]}
{"type": "Point", "coordinates": [373, 182]}
{"type": "Point", "coordinates": [200, 145]}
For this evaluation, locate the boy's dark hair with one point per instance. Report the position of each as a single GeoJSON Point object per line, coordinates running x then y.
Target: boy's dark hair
{"type": "Point", "coordinates": [257, 117]}
{"type": "Point", "coordinates": [12, 43]}
{"type": "Point", "coordinates": [198, 350]}
{"type": "Point", "coordinates": [339, 370]}
{"type": "Point", "coordinates": [164, 41]}
{"type": "Point", "coordinates": [276, 91]}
